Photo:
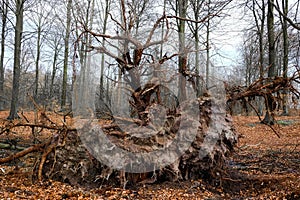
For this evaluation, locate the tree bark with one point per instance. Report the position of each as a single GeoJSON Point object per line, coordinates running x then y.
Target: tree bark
{"type": "Point", "coordinates": [270, 105]}
{"type": "Point", "coordinates": [196, 5]}
{"type": "Point", "coordinates": [182, 63]}
{"type": "Point", "coordinates": [55, 56]}
{"type": "Point", "coordinates": [207, 48]}
{"type": "Point", "coordinates": [17, 59]}
{"type": "Point", "coordinates": [66, 56]}
{"type": "Point", "coordinates": [285, 56]}
{"type": "Point", "coordinates": [101, 87]}
{"type": "Point", "coordinates": [37, 61]}
{"type": "Point", "coordinates": [3, 31]}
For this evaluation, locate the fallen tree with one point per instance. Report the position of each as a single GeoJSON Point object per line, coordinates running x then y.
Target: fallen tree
{"type": "Point", "coordinates": [266, 88]}
{"type": "Point", "coordinates": [65, 157]}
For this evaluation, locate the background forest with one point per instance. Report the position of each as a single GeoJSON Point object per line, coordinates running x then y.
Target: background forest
{"type": "Point", "coordinates": [47, 45]}
{"type": "Point", "coordinates": [144, 99]}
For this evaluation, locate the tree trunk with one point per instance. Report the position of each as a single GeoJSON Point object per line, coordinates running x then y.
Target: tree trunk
{"type": "Point", "coordinates": [17, 60]}
{"type": "Point", "coordinates": [66, 56]}
{"type": "Point", "coordinates": [37, 61]}
{"type": "Point", "coordinates": [101, 87]}
{"type": "Point", "coordinates": [199, 82]}
{"type": "Point", "coordinates": [182, 63]}
{"type": "Point", "coordinates": [3, 30]}
{"type": "Point", "coordinates": [285, 56]}
{"type": "Point", "coordinates": [55, 56]}
{"type": "Point", "coordinates": [270, 105]}
{"type": "Point", "coordinates": [207, 49]}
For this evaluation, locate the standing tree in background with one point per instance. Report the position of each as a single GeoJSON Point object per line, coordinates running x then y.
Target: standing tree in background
{"type": "Point", "coordinates": [4, 12]}
{"type": "Point", "coordinates": [105, 20]}
{"type": "Point", "coordinates": [56, 48]}
{"type": "Point", "coordinates": [66, 55]}
{"type": "Point", "coordinates": [17, 59]}
{"type": "Point", "coordinates": [270, 104]}
{"type": "Point", "coordinates": [260, 26]}
{"type": "Point", "coordinates": [39, 17]}
{"type": "Point", "coordinates": [83, 16]}
{"type": "Point", "coordinates": [181, 11]}
{"type": "Point", "coordinates": [208, 46]}
{"type": "Point", "coordinates": [195, 29]}
{"type": "Point", "coordinates": [285, 55]}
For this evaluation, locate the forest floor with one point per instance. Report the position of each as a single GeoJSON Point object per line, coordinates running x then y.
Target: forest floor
{"type": "Point", "coordinates": [263, 166]}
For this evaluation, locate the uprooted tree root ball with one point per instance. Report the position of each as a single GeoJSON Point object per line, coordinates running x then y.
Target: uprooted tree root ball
{"type": "Point", "coordinates": [64, 156]}
{"type": "Point", "coordinates": [69, 160]}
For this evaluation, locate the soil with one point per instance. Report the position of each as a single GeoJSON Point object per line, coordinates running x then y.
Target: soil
{"type": "Point", "coordinates": [263, 166]}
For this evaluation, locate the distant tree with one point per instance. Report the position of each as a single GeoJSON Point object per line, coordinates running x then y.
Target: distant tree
{"type": "Point", "coordinates": [270, 104]}
{"type": "Point", "coordinates": [38, 19]}
{"type": "Point", "coordinates": [66, 55]}
{"type": "Point", "coordinates": [105, 22]}
{"type": "Point", "coordinates": [17, 56]}
{"type": "Point", "coordinates": [197, 6]}
{"type": "Point", "coordinates": [56, 45]}
{"type": "Point", "coordinates": [285, 54]}
{"type": "Point", "coordinates": [259, 14]}
{"type": "Point", "coordinates": [4, 12]}
{"type": "Point", "coordinates": [181, 11]}
{"type": "Point", "coordinates": [250, 58]}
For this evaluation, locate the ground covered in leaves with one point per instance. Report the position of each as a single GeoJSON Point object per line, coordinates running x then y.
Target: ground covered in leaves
{"type": "Point", "coordinates": [262, 167]}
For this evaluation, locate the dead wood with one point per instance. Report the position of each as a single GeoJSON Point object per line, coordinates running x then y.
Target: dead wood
{"type": "Point", "coordinates": [264, 87]}
{"type": "Point", "coordinates": [261, 87]}
{"type": "Point", "coordinates": [65, 157]}
{"type": "Point", "coordinates": [37, 147]}
{"type": "Point", "coordinates": [73, 163]}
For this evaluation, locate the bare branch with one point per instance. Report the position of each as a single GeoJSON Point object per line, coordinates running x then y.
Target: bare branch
{"type": "Point", "coordinates": [295, 25]}
{"type": "Point", "coordinates": [37, 147]}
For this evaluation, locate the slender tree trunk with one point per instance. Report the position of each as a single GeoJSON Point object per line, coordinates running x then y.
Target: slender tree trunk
{"type": "Point", "coordinates": [270, 104]}
{"type": "Point", "coordinates": [182, 64]}
{"type": "Point", "coordinates": [37, 62]}
{"type": "Point", "coordinates": [53, 69]}
{"type": "Point", "coordinates": [3, 30]}
{"type": "Point", "coordinates": [261, 53]}
{"type": "Point", "coordinates": [199, 83]}
{"type": "Point", "coordinates": [83, 81]}
{"type": "Point", "coordinates": [101, 87]}
{"type": "Point", "coordinates": [271, 39]}
{"type": "Point", "coordinates": [66, 55]}
{"type": "Point", "coordinates": [207, 47]}
{"type": "Point", "coordinates": [285, 55]}
{"type": "Point", "coordinates": [17, 60]}
{"type": "Point", "coordinates": [157, 67]}
{"type": "Point", "coordinates": [260, 31]}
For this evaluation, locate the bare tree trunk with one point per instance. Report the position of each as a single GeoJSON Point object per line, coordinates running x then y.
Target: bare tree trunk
{"type": "Point", "coordinates": [271, 39]}
{"type": "Point", "coordinates": [207, 48]}
{"type": "Point", "coordinates": [270, 104]}
{"type": "Point", "coordinates": [66, 55]}
{"type": "Point", "coordinates": [182, 64]}
{"type": "Point", "coordinates": [285, 55]}
{"type": "Point", "coordinates": [101, 87]}
{"type": "Point", "coordinates": [55, 56]}
{"type": "Point", "coordinates": [37, 61]}
{"type": "Point", "coordinates": [4, 22]}
{"type": "Point", "coordinates": [197, 4]}
{"type": "Point", "coordinates": [260, 26]}
{"type": "Point", "coordinates": [17, 59]}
